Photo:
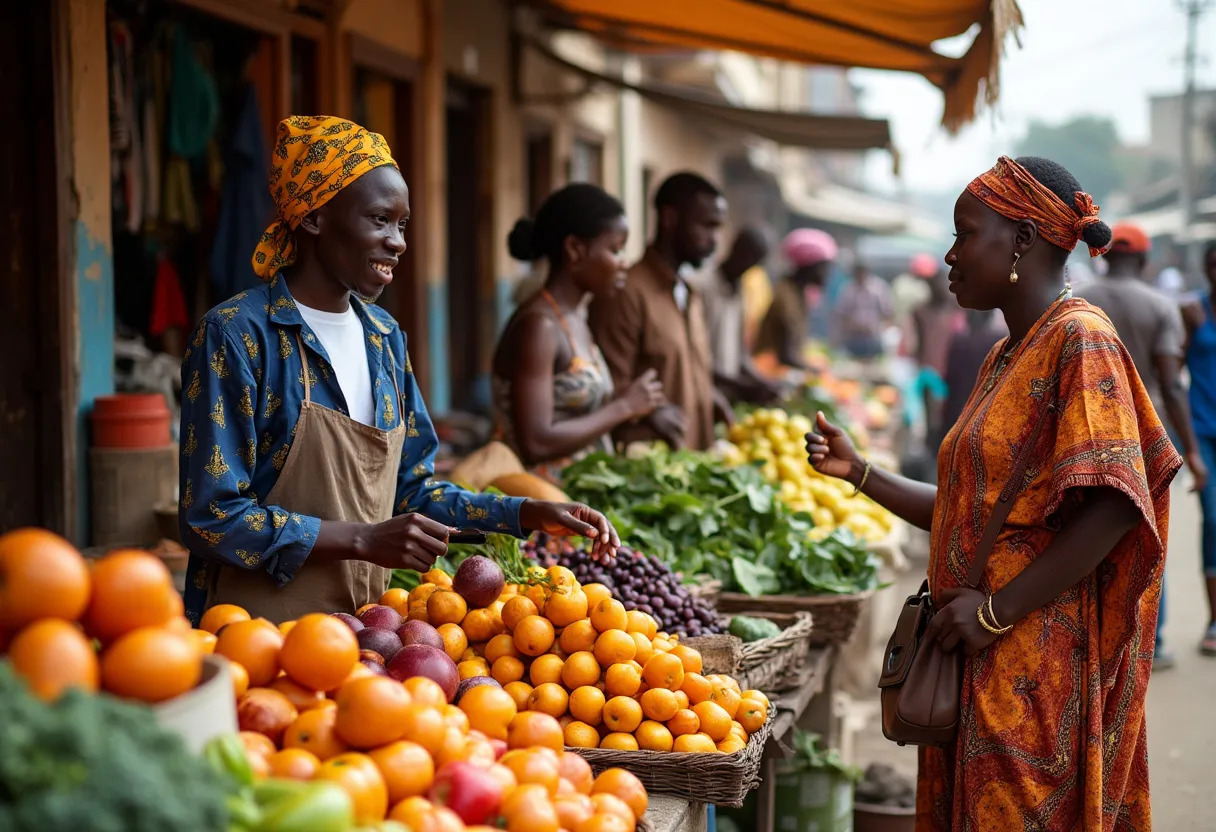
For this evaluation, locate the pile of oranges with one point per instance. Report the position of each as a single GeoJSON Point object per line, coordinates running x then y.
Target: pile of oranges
{"type": "Point", "coordinates": [115, 624]}
{"type": "Point", "coordinates": [573, 652]}
{"type": "Point", "coordinates": [309, 710]}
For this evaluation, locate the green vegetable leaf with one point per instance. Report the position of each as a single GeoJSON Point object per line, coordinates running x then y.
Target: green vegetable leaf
{"type": "Point", "coordinates": [754, 578]}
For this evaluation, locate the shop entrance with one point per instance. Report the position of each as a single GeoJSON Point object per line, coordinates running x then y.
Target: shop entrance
{"type": "Point", "coordinates": [35, 429]}
{"type": "Point", "coordinates": [470, 266]}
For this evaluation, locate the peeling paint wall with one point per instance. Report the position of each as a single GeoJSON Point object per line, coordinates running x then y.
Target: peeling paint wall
{"type": "Point", "coordinates": [93, 304]}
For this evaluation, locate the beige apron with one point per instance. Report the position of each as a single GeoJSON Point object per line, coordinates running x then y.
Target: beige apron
{"type": "Point", "coordinates": [339, 470]}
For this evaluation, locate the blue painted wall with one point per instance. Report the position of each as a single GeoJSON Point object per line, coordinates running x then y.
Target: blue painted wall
{"type": "Point", "coordinates": [95, 322]}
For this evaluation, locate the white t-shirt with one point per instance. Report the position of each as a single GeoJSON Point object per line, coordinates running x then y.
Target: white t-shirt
{"type": "Point", "coordinates": [341, 333]}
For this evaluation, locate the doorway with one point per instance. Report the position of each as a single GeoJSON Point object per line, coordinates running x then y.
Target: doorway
{"type": "Point", "coordinates": [36, 434]}
{"type": "Point", "coordinates": [470, 246]}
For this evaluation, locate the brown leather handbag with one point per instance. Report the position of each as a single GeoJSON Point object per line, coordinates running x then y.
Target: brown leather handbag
{"type": "Point", "coordinates": [920, 682]}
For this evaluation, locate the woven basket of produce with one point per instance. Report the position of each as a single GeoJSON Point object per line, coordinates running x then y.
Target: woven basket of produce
{"type": "Point", "coordinates": [721, 779]}
{"type": "Point", "coordinates": [719, 653]}
{"type": "Point", "coordinates": [836, 616]}
{"type": "Point", "coordinates": [773, 662]}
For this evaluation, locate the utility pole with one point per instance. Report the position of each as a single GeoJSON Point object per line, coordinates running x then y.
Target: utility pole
{"type": "Point", "coordinates": [1193, 9]}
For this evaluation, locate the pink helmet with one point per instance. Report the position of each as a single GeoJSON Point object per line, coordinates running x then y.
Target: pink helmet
{"type": "Point", "coordinates": [808, 246]}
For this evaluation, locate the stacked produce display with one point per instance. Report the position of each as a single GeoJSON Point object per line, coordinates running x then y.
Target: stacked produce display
{"type": "Point", "coordinates": [700, 515]}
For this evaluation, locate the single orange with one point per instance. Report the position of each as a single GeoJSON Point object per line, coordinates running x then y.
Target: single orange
{"type": "Point", "coordinates": [619, 741]}
{"type": "Point", "coordinates": [752, 715]}
{"type": "Point", "coordinates": [684, 722]}
{"type": "Point", "coordinates": [641, 623]}
{"type": "Point", "coordinates": [421, 593]}
{"type": "Point", "coordinates": [715, 721]}
{"type": "Point", "coordinates": [305, 699]}
{"type": "Point", "coordinates": [622, 679]}
{"type": "Point", "coordinates": [624, 785]}
{"type": "Point", "coordinates": [549, 698]}
{"type": "Point", "coordinates": [407, 768]}
{"type": "Point", "coordinates": [240, 678]}
{"type": "Point", "coordinates": [417, 610]}
{"type": "Point", "coordinates": [359, 776]}
{"type": "Point", "coordinates": [731, 744]}
{"type": "Point", "coordinates": [455, 747]}
{"type": "Point", "coordinates": [396, 597]}
{"type": "Point", "coordinates": [534, 635]}
{"type": "Point", "coordinates": [499, 646]}
{"type": "Point", "coordinates": [623, 714]}
{"type": "Point", "coordinates": [643, 649]}
{"type": "Point", "coordinates": [472, 668]}
{"type": "Point", "coordinates": [524, 811]}
{"type": "Point", "coordinates": [151, 664]}
{"type": "Point", "coordinates": [285, 627]}
{"type": "Point", "coordinates": [573, 809]}
{"type": "Point", "coordinates": [697, 688]}
{"type": "Point", "coordinates": [255, 744]}
{"type": "Point", "coordinates": [579, 670]}
{"type": "Point", "coordinates": [614, 646]}
{"type": "Point", "coordinates": [681, 699]}
{"type": "Point", "coordinates": [516, 610]}
{"type": "Point", "coordinates": [578, 637]}
{"type": "Point", "coordinates": [313, 731]}
{"type": "Point", "coordinates": [581, 735]}
{"type": "Point", "coordinates": [690, 658]}
{"type": "Point", "coordinates": [41, 576]}
{"type": "Point", "coordinates": [293, 764]}
{"type": "Point", "coordinates": [697, 742]}
{"type": "Point", "coordinates": [254, 644]}
{"type": "Point", "coordinates": [469, 654]}
{"type": "Point", "coordinates": [663, 670]}
{"type": "Point", "coordinates": [546, 668]}
{"type": "Point", "coordinates": [372, 711]}
{"type": "Point", "coordinates": [414, 812]}
{"type": "Point", "coordinates": [482, 625]}
{"type": "Point", "coordinates": [538, 594]}
{"type": "Point", "coordinates": [219, 615]}
{"type": "Point", "coordinates": [507, 669]}
{"type": "Point", "coordinates": [53, 655]}
{"type": "Point", "coordinates": [489, 709]}
{"type": "Point", "coordinates": [445, 607]}
{"type": "Point", "coordinates": [131, 589]}
{"type": "Point", "coordinates": [661, 644]}
{"type": "Point", "coordinates": [565, 606]}
{"type": "Point", "coordinates": [531, 767]}
{"type": "Point", "coordinates": [659, 704]}
{"type": "Point", "coordinates": [530, 728]}
{"type": "Point", "coordinates": [455, 641]}
{"type": "Point", "coordinates": [727, 698]}
{"type": "Point", "coordinates": [520, 691]}
{"type": "Point", "coordinates": [759, 696]}
{"type": "Point", "coordinates": [205, 640]}
{"type": "Point", "coordinates": [424, 725]}
{"type": "Point", "coordinates": [609, 614]}
{"type": "Point", "coordinates": [653, 736]}
{"type": "Point", "coordinates": [595, 593]}
{"type": "Point", "coordinates": [561, 576]}
{"type": "Point", "coordinates": [319, 651]}
{"type": "Point", "coordinates": [424, 691]}
{"type": "Point", "coordinates": [587, 705]}
{"type": "Point", "coordinates": [438, 577]}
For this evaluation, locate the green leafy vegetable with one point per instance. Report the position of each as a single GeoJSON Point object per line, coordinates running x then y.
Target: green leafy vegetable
{"type": "Point", "coordinates": [751, 629]}
{"type": "Point", "coordinates": [701, 516]}
{"type": "Point", "coordinates": [809, 755]}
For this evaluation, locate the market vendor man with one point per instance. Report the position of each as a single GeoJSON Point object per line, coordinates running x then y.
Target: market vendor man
{"type": "Point", "coordinates": [306, 449]}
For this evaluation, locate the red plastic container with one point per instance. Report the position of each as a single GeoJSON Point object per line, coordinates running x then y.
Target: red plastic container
{"type": "Point", "coordinates": [131, 420]}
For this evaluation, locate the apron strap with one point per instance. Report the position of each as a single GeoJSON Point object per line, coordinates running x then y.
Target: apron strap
{"type": "Point", "coordinates": [304, 361]}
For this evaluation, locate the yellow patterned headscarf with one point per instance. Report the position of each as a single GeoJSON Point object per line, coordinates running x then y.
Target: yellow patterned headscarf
{"type": "Point", "coordinates": [314, 158]}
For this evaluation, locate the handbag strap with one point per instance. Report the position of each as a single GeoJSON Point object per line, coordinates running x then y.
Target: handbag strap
{"type": "Point", "coordinates": [1004, 502]}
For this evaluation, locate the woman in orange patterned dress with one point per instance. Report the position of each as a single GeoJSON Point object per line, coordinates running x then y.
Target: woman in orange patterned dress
{"type": "Point", "coordinates": [1059, 634]}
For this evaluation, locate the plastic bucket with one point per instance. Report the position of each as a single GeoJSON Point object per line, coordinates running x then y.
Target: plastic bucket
{"type": "Point", "coordinates": [130, 420]}
{"type": "Point", "coordinates": [812, 800]}
{"type": "Point", "coordinates": [204, 713]}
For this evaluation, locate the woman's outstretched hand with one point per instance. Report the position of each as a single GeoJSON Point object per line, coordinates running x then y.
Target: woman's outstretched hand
{"type": "Point", "coordinates": [831, 452]}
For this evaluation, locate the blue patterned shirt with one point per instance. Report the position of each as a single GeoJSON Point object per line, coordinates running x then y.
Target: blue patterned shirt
{"type": "Point", "coordinates": [242, 392]}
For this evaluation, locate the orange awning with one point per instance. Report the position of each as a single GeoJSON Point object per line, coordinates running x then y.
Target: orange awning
{"type": "Point", "coordinates": [879, 34]}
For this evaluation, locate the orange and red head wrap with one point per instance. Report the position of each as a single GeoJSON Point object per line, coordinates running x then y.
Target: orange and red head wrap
{"type": "Point", "coordinates": [1011, 191]}
{"type": "Point", "coordinates": [315, 157]}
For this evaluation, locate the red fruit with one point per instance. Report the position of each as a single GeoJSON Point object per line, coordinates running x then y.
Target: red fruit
{"type": "Point", "coordinates": [349, 620]}
{"type": "Point", "coordinates": [467, 790]}
{"type": "Point", "coordinates": [420, 660]}
{"type": "Point", "coordinates": [479, 581]}
{"type": "Point", "coordinates": [267, 712]}
{"type": "Point", "coordinates": [381, 617]}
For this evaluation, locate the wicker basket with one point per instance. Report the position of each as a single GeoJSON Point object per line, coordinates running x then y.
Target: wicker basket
{"type": "Point", "coordinates": [722, 779]}
{"type": "Point", "coordinates": [836, 616]}
{"type": "Point", "coordinates": [719, 653]}
{"type": "Point", "coordinates": [772, 663]}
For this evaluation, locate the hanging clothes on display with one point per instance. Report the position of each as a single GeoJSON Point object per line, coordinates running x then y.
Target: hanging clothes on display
{"type": "Point", "coordinates": [245, 209]}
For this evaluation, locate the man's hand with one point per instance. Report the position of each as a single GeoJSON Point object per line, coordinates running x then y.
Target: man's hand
{"type": "Point", "coordinates": [669, 423]}
{"type": "Point", "coordinates": [571, 519]}
{"type": "Point", "coordinates": [1199, 471]}
{"type": "Point", "coordinates": [407, 541]}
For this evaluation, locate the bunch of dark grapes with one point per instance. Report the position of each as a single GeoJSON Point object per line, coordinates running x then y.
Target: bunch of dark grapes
{"type": "Point", "coordinates": [639, 582]}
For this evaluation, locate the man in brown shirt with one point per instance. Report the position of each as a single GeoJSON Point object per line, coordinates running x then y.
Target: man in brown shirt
{"type": "Point", "coordinates": [658, 321]}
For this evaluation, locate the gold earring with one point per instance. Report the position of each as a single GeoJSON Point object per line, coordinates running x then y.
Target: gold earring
{"type": "Point", "coordinates": [1013, 272]}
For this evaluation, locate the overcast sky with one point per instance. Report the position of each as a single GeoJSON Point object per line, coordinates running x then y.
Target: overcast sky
{"type": "Point", "coordinates": [1101, 57]}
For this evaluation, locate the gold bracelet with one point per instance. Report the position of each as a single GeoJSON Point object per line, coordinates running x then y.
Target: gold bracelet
{"type": "Point", "coordinates": [992, 617]}
{"type": "Point", "coordinates": [865, 475]}
{"type": "Point", "coordinates": [996, 631]}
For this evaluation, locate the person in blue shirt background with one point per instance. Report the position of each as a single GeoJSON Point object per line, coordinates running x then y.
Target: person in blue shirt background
{"type": "Point", "coordinates": [307, 451]}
